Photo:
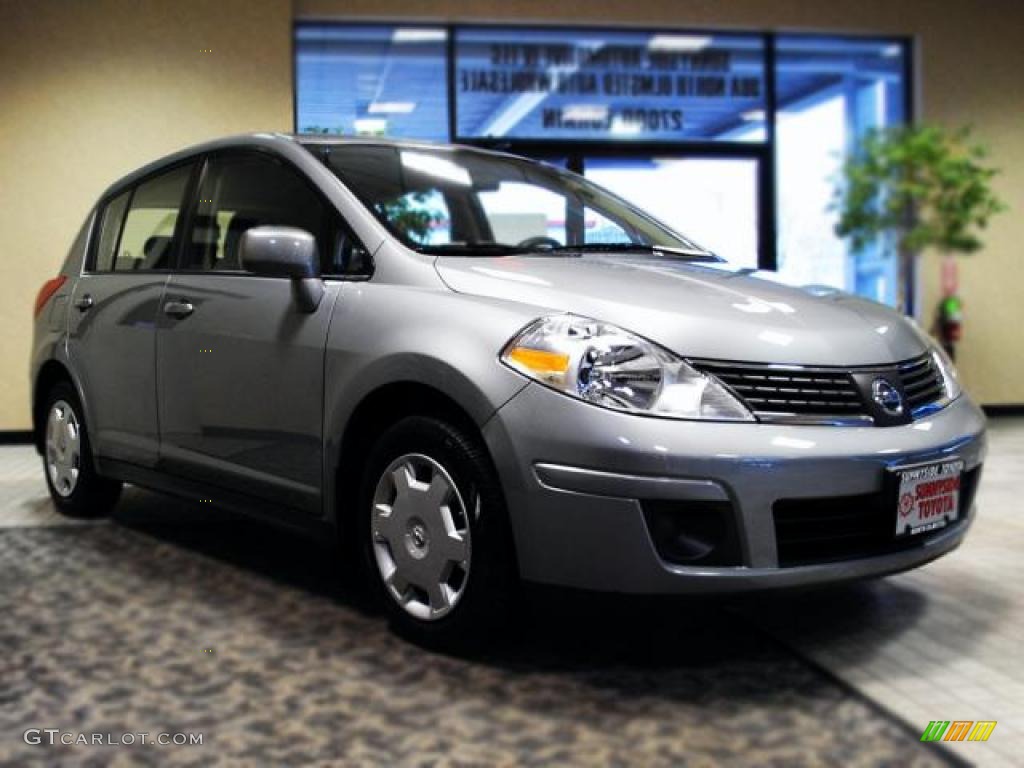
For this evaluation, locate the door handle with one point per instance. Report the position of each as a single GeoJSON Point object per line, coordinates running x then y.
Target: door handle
{"type": "Point", "coordinates": [84, 303]}
{"type": "Point", "coordinates": [178, 309]}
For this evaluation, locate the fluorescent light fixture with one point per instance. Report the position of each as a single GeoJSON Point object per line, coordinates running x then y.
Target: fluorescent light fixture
{"type": "Point", "coordinates": [438, 167]}
{"type": "Point", "coordinates": [418, 35]}
{"type": "Point", "coordinates": [391, 107]}
{"type": "Point", "coordinates": [620, 127]}
{"type": "Point", "coordinates": [753, 115]}
{"type": "Point", "coordinates": [679, 43]}
{"type": "Point", "coordinates": [585, 112]}
{"type": "Point", "coordinates": [371, 126]}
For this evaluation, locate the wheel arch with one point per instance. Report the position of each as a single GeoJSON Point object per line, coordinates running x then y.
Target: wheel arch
{"type": "Point", "coordinates": [50, 373]}
{"type": "Point", "coordinates": [378, 409]}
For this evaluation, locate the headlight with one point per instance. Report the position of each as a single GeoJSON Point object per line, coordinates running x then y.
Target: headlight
{"type": "Point", "coordinates": [608, 366]}
{"type": "Point", "coordinates": [950, 378]}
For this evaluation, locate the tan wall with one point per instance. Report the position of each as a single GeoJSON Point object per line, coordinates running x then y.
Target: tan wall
{"type": "Point", "coordinates": [90, 89]}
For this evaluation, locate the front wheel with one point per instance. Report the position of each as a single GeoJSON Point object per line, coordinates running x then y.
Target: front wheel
{"type": "Point", "coordinates": [76, 489]}
{"type": "Point", "coordinates": [435, 534]}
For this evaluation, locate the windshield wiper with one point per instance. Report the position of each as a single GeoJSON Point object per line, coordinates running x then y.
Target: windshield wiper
{"type": "Point", "coordinates": [473, 249]}
{"type": "Point", "coordinates": [692, 254]}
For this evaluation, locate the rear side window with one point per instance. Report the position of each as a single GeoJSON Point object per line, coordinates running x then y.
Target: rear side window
{"type": "Point", "coordinates": [147, 236]}
{"type": "Point", "coordinates": [111, 220]}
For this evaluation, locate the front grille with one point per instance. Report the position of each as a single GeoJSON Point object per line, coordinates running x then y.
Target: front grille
{"type": "Point", "coordinates": [824, 530]}
{"type": "Point", "coordinates": [922, 382]}
{"type": "Point", "coordinates": [824, 394]}
{"type": "Point", "coordinates": [768, 389]}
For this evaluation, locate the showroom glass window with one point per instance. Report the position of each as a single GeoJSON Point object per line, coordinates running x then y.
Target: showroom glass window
{"type": "Point", "coordinates": [830, 92]}
{"type": "Point", "coordinates": [689, 125]}
{"type": "Point", "coordinates": [371, 80]}
{"type": "Point", "coordinates": [602, 84]}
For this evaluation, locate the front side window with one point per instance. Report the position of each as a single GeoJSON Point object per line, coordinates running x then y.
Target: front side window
{"type": "Point", "coordinates": [147, 236]}
{"type": "Point", "coordinates": [462, 201]}
{"type": "Point", "coordinates": [241, 191]}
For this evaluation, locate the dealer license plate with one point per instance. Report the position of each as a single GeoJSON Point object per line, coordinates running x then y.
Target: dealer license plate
{"type": "Point", "coordinates": [929, 497]}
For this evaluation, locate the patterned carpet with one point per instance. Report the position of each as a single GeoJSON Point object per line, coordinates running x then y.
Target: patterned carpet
{"type": "Point", "coordinates": [175, 619]}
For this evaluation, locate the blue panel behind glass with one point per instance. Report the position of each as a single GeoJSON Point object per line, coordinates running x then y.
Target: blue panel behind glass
{"type": "Point", "coordinates": [387, 80]}
{"type": "Point", "coordinates": [600, 84]}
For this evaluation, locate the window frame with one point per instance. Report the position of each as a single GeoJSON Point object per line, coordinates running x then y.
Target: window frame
{"type": "Point", "coordinates": [338, 226]}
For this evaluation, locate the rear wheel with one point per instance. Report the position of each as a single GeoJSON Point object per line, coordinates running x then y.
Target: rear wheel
{"type": "Point", "coordinates": [74, 486]}
{"type": "Point", "coordinates": [434, 533]}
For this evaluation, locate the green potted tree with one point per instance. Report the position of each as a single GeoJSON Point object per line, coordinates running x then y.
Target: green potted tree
{"type": "Point", "coordinates": [919, 188]}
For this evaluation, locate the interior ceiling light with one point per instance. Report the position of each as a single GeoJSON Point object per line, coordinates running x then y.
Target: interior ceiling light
{"type": "Point", "coordinates": [391, 107]}
{"type": "Point", "coordinates": [418, 35]}
{"type": "Point", "coordinates": [585, 112]}
{"type": "Point", "coordinates": [679, 43]}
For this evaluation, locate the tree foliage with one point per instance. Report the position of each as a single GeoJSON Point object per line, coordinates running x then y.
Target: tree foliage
{"type": "Point", "coordinates": [929, 187]}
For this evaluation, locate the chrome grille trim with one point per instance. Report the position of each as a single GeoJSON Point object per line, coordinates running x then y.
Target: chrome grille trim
{"type": "Point", "coordinates": [825, 395]}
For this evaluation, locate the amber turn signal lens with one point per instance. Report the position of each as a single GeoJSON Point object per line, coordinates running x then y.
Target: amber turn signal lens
{"type": "Point", "coordinates": [539, 361]}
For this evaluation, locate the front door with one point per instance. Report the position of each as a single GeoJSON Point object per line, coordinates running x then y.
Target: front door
{"type": "Point", "coordinates": [240, 365]}
{"type": "Point", "coordinates": [112, 339]}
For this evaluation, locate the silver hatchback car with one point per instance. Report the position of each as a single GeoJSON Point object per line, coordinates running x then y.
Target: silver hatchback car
{"type": "Point", "coordinates": [473, 369]}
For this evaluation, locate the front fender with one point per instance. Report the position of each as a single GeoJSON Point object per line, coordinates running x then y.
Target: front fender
{"type": "Point", "coordinates": [385, 334]}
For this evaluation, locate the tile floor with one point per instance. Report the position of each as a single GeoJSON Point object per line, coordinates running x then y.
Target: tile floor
{"type": "Point", "coordinates": [881, 658]}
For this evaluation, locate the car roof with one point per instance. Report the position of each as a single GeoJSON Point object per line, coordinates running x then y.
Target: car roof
{"type": "Point", "coordinates": [278, 141]}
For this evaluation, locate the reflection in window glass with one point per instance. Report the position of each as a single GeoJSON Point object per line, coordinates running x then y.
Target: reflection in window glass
{"type": "Point", "coordinates": [371, 80]}
{"type": "Point", "coordinates": [492, 203]}
{"type": "Point", "coordinates": [519, 212]}
{"type": "Point", "coordinates": [601, 84]}
{"type": "Point", "coordinates": [830, 92]}
{"type": "Point", "coordinates": [421, 217]}
{"type": "Point", "coordinates": [711, 199]}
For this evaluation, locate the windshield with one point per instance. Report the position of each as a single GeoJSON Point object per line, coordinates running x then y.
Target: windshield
{"type": "Point", "coordinates": [454, 201]}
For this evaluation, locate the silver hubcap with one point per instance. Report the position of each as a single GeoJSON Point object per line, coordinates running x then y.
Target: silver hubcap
{"type": "Point", "coordinates": [421, 541]}
{"type": "Point", "coordinates": [63, 448]}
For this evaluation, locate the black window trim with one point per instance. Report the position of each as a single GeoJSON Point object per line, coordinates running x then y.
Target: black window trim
{"type": "Point", "coordinates": [340, 223]}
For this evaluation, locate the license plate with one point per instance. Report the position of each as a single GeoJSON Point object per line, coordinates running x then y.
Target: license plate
{"type": "Point", "coordinates": [928, 497]}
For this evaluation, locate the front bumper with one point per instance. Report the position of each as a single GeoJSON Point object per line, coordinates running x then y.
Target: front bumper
{"type": "Point", "coordinates": [575, 476]}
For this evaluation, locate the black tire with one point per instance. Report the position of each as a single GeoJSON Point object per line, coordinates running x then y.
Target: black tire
{"type": "Point", "coordinates": [491, 583]}
{"type": "Point", "coordinates": [92, 494]}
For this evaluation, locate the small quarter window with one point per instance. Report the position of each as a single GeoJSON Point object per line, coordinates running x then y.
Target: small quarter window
{"type": "Point", "coordinates": [111, 219]}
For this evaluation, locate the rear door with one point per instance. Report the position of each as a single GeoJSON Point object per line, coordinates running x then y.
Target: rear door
{"type": "Point", "coordinates": [240, 365]}
{"type": "Point", "coordinates": [112, 339]}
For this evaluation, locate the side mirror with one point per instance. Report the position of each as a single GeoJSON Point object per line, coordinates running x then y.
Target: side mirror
{"type": "Point", "coordinates": [285, 252]}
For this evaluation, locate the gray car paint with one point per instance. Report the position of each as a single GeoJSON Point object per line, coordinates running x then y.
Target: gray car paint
{"type": "Point", "coordinates": [256, 419]}
{"type": "Point", "coordinates": [697, 310]}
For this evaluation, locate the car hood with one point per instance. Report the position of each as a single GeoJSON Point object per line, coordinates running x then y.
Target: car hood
{"type": "Point", "coordinates": [697, 310]}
